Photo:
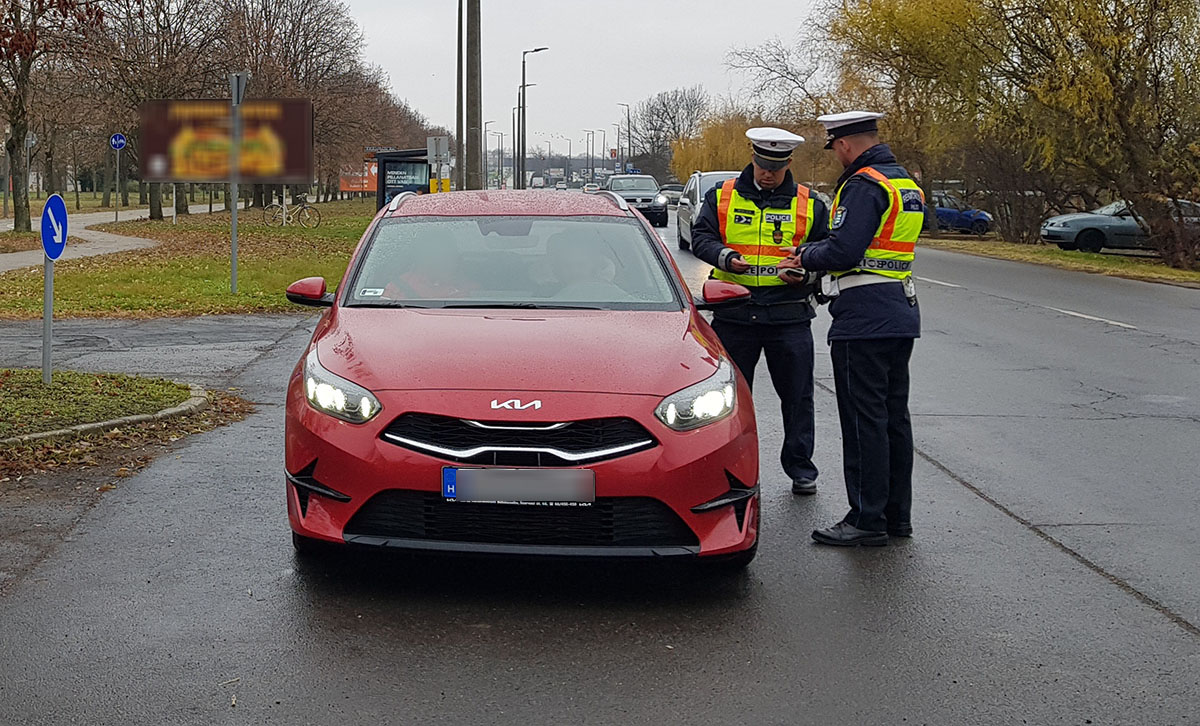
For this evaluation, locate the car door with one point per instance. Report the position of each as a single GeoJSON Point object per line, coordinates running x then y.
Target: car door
{"type": "Point", "coordinates": [1124, 231]}
{"type": "Point", "coordinates": [687, 208]}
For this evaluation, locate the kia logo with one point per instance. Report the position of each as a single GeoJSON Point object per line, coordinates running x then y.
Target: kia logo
{"type": "Point", "coordinates": [514, 404]}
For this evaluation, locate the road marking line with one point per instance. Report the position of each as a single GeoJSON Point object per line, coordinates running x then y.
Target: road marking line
{"type": "Point", "coordinates": [1119, 324]}
{"type": "Point", "coordinates": [937, 282]}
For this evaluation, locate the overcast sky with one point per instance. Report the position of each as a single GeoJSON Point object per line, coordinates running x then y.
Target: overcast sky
{"type": "Point", "coordinates": [601, 52]}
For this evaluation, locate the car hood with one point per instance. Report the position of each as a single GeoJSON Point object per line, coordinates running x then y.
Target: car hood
{"type": "Point", "coordinates": [1077, 217]}
{"type": "Point", "coordinates": [648, 353]}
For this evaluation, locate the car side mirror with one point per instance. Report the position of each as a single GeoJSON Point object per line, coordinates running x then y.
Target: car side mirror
{"type": "Point", "coordinates": [311, 292]}
{"type": "Point", "coordinates": [685, 202]}
{"type": "Point", "coordinates": [721, 294]}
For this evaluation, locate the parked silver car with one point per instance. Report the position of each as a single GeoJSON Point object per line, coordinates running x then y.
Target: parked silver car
{"type": "Point", "coordinates": [1113, 225]}
{"type": "Point", "coordinates": [692, 197]}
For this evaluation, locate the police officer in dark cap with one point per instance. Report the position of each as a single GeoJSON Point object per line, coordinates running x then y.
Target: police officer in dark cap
{"type": "Point", "coordinates": [745, 228]}
{"type": "Point", "coordinates": [878, 212]}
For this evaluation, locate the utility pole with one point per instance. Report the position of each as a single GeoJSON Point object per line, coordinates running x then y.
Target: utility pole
{"type": "Point", "coordinates": [484, 184]}
{"type": "Point", "coordinates": [459, 156]}
{"type": "Point", "coordinates": [474, 120]}
{"type": "Point", "coordinates": [499, 158]}
{"type": "Point", "coordinates": [590, 141]}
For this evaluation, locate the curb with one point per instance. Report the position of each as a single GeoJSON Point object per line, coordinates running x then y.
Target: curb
{"type": "Point", "coordinates": [196, 402]}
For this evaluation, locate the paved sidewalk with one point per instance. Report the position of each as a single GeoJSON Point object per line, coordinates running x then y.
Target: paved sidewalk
{"type": "Point", "coordinates": [96, 242]}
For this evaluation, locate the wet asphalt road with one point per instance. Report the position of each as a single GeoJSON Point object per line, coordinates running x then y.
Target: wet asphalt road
{"type": "Point", "coordinates": [1053, 577]}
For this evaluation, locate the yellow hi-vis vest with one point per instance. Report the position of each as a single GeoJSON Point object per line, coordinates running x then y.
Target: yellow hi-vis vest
{"type": "Point", "coordinates": [752, 232]}
{"type": "Point", "coordinates": [891, 251]}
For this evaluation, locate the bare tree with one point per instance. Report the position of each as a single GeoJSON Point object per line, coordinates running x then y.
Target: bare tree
{"type": "Point", "coordinates": [664, 118]}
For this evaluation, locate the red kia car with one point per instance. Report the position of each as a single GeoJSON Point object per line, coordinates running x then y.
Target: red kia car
{"type": "Point", "coordinates": [519, 373]}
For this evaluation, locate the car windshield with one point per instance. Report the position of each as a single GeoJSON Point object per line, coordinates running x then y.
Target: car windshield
{"type": "Point", "coordinates": [711, 180]}
{"type": "Point", "coordinates": [634, 184]}
{"type": "Point", "coordinates": [1111, 210]}
{"type": "Point", "coordinates": [529, 262]}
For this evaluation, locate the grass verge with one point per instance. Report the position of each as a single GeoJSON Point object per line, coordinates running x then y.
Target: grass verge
{"type": "Point", "coordinates": [1150, 269]}
{"type": "Point", "coordinates": [188, 273]}
{"type": "Point", "coordinates": [24, 241]}
{"type": "Point", "coordinates": [29, 407]}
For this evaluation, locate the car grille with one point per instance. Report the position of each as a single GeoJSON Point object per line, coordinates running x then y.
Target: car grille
{"type": "Point", "coordinates": [492, 443]}
{"type": "Point", "coordinates": [613, 521]}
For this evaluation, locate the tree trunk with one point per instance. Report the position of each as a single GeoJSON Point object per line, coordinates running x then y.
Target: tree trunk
{"type": "Point", "coordinates": [192, 192]}
{"type": "Point", "coordinates": [15, 148]}
{"type": "Point", "coordinates": [181, 200]}
{"type": "Point", "coordinates": [142, 193]}
{"type": "Point", "coordinates": [257, 195]}
{"type": "Point", "coordinates": [156, 210]}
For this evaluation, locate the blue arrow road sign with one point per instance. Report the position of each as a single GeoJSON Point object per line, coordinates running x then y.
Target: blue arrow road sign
{"type": "Point", "coordinates": [54, 226]}
{"type": "Point", "coordinates": [117, 141]}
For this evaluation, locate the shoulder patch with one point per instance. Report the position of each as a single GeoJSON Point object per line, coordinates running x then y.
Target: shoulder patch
{"type": "Point", "coordinates": [838, 217]}
{"type": "Point", "coordinates": [912, 200]}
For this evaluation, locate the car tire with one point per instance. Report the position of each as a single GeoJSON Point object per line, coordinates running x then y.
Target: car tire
{"type": "Point", "coordinates": [979, 227]}
{"type": "Point", "coordinates": [1069, 246]}
{"type": "Point", "coordinates": [683, 244]}
{"type": "Point", "coordinates": [1090, 240]}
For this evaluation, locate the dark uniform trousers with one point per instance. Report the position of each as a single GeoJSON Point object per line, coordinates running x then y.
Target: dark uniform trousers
{"type": "Point", "coordinates": [871, 377]}
{"type": "Point", "coordinates": [789, 349]}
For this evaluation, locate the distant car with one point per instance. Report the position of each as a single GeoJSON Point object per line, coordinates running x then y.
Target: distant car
{"type": "Point", "coordinates": [1113, 225]}
{"type": "Point", "coordinates": [672, 192]}
{"type": "Point", "coordinates": [642, 193]}
{"type": "Point", "coordinates": [692, 197]}
{"type": "Point", "coordinates": [591, 187]}
{"type": "Point", "coordinates": [955, 214]}
{"type": "Point", "coordinates": [560, 186]}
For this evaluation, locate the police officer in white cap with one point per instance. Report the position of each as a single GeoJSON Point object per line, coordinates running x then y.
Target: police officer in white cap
{"type": "Point", "coordinates": [878, 212]}
{"type": "Point", "coordinates": [745, 228]}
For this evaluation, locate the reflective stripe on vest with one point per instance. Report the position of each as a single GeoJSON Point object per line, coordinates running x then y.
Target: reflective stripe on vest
{"type": "Point", "coordinates": [891, 252]}
{"type": "Point", "coordinates": [750, 231]}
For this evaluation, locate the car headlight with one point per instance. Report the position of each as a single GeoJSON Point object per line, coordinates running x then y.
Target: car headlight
{"type": "Point", "coordinates": [660, 200]}
{"type": "Point", "coordinates": [986, 215]}
{"type": "Point", "coordinates": [702, 403]}
{"type": "Point", "coordinates": [334, 395]}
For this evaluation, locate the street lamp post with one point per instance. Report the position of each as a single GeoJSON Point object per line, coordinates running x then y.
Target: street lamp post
{"type": "Point", "coordinates": [617, 143]}
{"type": "Point", "coordinates": [590, 141]}
{"type": "Point", "coordinates": [524, 95]}
{"type": "Point", "coordinates": [484, 158]}
{"type": "Point", "coordinates": [514, 140]}
{"type": "Point", "coordinates": [628, 135]}
{"type": "Point", "coordinates": [603, 146]}
{"type": "Point", "coordinates": [499, 158]}
{"type": "Point", "coordinates": [524, 110]}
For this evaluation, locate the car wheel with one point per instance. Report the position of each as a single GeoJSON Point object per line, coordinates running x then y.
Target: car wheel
{"type": "Point", "coordinates": [683, 244]}
{"type": "Point", "coordinates": [1066, 246]}
{"type": "Point", "coordinates": [1090, 240]}
{"type": "Point", "coordinates": [979, 227]}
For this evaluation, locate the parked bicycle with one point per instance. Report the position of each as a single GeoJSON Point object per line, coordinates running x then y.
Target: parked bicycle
{"type": "Point", "coordinates": [279, 214]}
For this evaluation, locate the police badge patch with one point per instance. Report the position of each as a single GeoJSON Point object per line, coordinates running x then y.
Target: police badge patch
{"type": "Point", "coordinates": [838, 217]}
{"type": "Point", "coordinates": [742, 219]}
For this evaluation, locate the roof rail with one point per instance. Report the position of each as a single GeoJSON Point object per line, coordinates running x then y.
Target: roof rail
{"type": "Point", "coordinates": [399, 199]}
{"type": "Point", "coordinates": [615, 198]}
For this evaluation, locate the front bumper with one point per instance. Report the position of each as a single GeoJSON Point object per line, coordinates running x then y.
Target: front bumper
{"type": "Point", "coordinates": [693, 494]}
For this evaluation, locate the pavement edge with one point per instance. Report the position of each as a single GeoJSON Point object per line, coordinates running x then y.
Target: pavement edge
{"type": "Point", "coordinates": [197, 401]}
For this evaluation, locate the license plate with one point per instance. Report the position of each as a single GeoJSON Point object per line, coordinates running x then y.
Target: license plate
{"type": "Point", "coordinates": [546, 487]}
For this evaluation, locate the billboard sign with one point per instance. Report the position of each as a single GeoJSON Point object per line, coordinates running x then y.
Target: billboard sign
{"type": "Point", "coordinates": [189, 140]}
{"type": "Point", "coordinates": [360, 181]}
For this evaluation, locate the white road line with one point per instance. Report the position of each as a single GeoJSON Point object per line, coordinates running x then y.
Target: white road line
{"type": "Point", "coordinates": [1091, 317]}
{"type": "Point", "coordinates": [937, 282]}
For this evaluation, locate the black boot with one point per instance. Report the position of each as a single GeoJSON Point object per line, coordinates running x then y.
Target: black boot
{"type": "Point", "coordinates": [845, 535]}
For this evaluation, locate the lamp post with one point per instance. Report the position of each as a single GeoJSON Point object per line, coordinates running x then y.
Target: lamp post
{"type": "Point", "coordinates": [514, 140]}
{"type": "Point", "coordinates": [568, 169]}
{"type": "Point", "coordinates": [590, 141]}
{"type": "Point", "coordinates": [603, 145]}
{"type": "Point", "coordinates": [484, 157]}
{"type": "Point", "coordinates": [617, 143]}
{"type": "Point", "coordinates": [499, 157]}
{"type": "Point", "coordinates": [628, 134]}
{"type": "Point", "coordinates": [524, 110]}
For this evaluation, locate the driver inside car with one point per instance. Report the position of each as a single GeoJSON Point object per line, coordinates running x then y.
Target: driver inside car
{"type": "Point", "coordinates": [434, 273]}
{"type": "Point", "coordinates": [583, 271]}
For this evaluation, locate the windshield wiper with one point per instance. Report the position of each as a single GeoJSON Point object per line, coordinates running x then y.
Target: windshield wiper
{"type": "Point", "coordinates": [521, 306]}
{"type": "Point", "coordinates": [386, 304]}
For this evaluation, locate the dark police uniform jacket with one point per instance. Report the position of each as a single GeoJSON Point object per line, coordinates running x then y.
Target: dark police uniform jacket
{"type": "Point", "coordinates": [772, 305]}
{"type": "Point", "coordinates": [867, 311]}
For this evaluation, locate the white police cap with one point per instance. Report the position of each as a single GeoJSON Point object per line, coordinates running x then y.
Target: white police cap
{"type": "Point", "coordinates": [848, 123]}
{"type": "Point", "coordinates": [772, 147]}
